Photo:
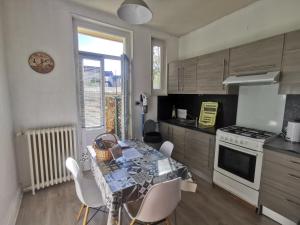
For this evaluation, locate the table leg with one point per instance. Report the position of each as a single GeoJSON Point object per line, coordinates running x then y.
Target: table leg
{"type": "Point", "coordinates": [110, 219]}
{"type": "Point", "coordinates": [120, 216]}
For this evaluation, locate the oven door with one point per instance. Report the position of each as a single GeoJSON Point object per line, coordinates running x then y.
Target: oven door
{"type": "Point", "coordinates": [238, 163]}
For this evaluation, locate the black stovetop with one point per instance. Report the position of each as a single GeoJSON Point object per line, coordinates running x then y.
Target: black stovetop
{"type": "Point", "coordinates": [248, 132]}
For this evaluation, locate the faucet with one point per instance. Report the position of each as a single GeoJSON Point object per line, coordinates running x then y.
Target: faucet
{"type": "Point", "coordinates": [193, 117]}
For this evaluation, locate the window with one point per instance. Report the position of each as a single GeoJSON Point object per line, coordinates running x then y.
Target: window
{"type": "Point", "coordinates": [158, 66]}
{"type": "Point", "coordinates": [91, 89]}
{"type": "Point", "coordinates": [97, 42]}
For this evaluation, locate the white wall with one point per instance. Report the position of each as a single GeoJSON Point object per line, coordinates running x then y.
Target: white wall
{"type": "Point", "coordinates": [264, 18]}
{"type": "Point", "coordinates": [48, 100]}
{"type": "Point", "coordinates": [9, 191]}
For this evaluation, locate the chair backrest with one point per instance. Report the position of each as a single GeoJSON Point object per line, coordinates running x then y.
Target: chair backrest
{"type": "Point", "coordinates": [73, 167]}
{"type": "Point", "coordinates": [149, 126]}
{"type": "Point", "coordinates": [160, 201]}
{"type": "Point", "coordinates": [167, 148]}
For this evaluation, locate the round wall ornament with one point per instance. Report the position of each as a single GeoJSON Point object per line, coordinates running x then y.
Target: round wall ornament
{"type": "Point", "coordinates": [41, 62]}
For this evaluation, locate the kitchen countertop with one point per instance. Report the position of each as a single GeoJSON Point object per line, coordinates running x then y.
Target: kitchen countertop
{"type": "Point", "coordinates": [210, 130]}
{"type": "Point", "coordinates": [283, 146]}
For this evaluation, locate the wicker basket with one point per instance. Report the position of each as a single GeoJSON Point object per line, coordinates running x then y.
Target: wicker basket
{"type": "Point", "coordinates": [108, 141]}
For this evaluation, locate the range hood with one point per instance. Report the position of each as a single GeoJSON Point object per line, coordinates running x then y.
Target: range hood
{"type": "Point", "coordinates": [253, 79]}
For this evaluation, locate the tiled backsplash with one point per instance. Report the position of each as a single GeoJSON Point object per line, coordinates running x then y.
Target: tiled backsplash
{"type": "Point", "coordinates": [192, 102]}
{"type": "Point", "coordinates": [292, 109]}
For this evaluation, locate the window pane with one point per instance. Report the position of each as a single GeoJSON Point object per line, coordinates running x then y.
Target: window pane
{"type": "Point", "coordinates": [156, 67]}
{"type": "Point", "coordinates": [112, 76]}
{"type": "Point", "coordinates": [91, 105]}
{"type": "Point", "coordinates": [89, 43]}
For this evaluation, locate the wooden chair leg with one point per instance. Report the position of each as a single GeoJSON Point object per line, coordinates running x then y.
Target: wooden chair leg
{"type": "Point", "coordinates": [168, 222]}
{"type": "Point", "coordinates": [132, 222]}
{"type": "Point", "coordinates": [80, 211]}
{"type": "Point", "coordinates": [86, 216]}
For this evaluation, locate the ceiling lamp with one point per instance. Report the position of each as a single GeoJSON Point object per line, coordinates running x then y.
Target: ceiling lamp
{"type": "Point", "coordinates": [134, 12]}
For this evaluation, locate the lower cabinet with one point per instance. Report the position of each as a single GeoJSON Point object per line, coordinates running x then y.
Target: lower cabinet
{"type": "Point", "coordinates": [199, 152]}
{"type": "Point", "coordinates": [174, 134]}
{"type": "Point", "coordinates": [280, 184]}
{"type": "Point", "coordinates": [193, 148]}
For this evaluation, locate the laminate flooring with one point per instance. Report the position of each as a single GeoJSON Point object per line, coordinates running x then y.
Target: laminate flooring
{"type": "Point", "coordinates": [210, 205]}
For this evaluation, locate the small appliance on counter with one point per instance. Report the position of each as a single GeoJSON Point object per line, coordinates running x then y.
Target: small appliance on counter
{"type": "Point", "coordinates": [293, 131]}
{"type": "Point", "coordinates": [181, 113]}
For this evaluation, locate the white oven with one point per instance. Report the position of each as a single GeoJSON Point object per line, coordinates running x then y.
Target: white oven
{"type": "Point", "coordinates": [238, 163]}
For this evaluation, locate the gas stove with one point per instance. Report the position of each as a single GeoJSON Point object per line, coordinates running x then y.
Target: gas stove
{"type": "Point", "coordinates": [248, 132]}
{"type": "Point", "coordinates": [238, 160]}
{"type": "Point", "coordinates": [245, 137]}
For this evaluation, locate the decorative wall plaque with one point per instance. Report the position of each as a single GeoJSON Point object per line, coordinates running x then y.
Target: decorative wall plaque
{"type": "Point", "coordinates": [41, 62]}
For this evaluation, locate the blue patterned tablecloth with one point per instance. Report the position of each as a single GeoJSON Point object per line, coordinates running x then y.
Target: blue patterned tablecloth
{"type": "Point", "coordinates": [127, 180]}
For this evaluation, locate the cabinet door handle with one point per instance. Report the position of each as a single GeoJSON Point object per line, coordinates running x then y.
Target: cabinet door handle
{"type": "Point", "coordinates": [296, 203]}
{"type": "Point", "coordinates": [178, 74]}
{"type": "Point", "coordinates": [295, 162]}
{"type": "Point", "coordinates": [223, 75]}
{"type": "Point", "coordinates": [294, 176]}
{"type": "Point", "coordinates": [182, 88]}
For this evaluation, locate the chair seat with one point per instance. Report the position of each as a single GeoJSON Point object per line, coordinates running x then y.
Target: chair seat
{"type": "Point", "coordinates": [152, 137]}
{"type": "Point", "coordinates": [92, 193]}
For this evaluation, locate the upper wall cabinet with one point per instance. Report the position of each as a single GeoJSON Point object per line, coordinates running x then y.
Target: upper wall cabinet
{"type": "Point", "coordinates": [212, 69]}
{"type": "Point", "coordinates": [173, 77]}
{"type": "Point", "coordinates": [188, 76]}
{"type": "Point", "coordinates": [290, 77]}
{"type": "Point", "coordinates": [257, 57]}
{"type": "Point", "coordinates": [182, 76]}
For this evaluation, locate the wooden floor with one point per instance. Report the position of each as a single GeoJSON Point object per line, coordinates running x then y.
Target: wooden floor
{"type": "Point", "coordinates": [209, 206]}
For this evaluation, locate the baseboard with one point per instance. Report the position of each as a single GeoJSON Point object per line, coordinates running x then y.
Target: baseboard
{"type": "Point", "coordinates": [277, 217]}
{"type": "Point", "coordinates": [14, 208]}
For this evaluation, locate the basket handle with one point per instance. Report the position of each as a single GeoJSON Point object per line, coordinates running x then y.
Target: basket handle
{"type": "Point", "coordinates": [115, 141]}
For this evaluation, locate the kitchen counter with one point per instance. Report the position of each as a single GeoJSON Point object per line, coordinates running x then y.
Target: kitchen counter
{"type": "Point", "coordinates": [281, 145]}
{"type": "Point", "coordinates": [210, 130]}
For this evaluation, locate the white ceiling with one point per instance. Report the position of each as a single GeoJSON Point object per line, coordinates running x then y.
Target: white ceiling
{"type": "Point", "coordinates": [177, 17]}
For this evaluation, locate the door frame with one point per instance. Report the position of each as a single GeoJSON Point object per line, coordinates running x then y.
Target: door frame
{"type": "Point", "coordinates": [127, 35]}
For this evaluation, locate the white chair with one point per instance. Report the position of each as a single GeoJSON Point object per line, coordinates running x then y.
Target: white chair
{"type": "Point", "coordinates": [158, 204]}
{"type": "Point", "coordinates": [167, 148]}
{"type": "Point", "coordinates": [87, 191]}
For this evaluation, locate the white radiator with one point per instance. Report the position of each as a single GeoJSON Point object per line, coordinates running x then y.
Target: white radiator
{"type": "Point", "coordinates": [48, 150]}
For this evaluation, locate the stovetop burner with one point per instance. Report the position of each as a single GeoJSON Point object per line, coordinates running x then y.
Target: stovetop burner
{"type": "Point", "coordinates": [248, 132]}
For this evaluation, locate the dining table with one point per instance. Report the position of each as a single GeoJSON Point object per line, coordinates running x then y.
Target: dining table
{"type": "Point", "coordinates": [129, 177]}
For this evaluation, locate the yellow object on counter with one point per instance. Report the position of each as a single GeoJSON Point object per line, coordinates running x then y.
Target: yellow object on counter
{"type": "Point", "coordinates": [208, 114]}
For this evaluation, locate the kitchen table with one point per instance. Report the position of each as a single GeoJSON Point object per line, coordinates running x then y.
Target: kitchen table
{"type": "Point", "coordinates": [129, 178]}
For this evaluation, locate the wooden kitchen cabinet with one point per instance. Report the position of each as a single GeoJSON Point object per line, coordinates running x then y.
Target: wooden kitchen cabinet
{"type": "Point", "coordinates": [179, 144]}
{"type": "Point", "coordinates": [188, 76]}
{"type": "Point", "coordinates": [280, 184]}
{"type": "Point", "coordinates": [182, 76]}
{"type": "Point", "coordinates": [212, 70]}
{"type": "Point", "coordinates": [199, 153]}
{"type": "Point", "coordinates": [193, 148]}
{"type": "Point", "coordinates": [173, 77]}
{"type": "Point", "coordinates": [257, 57]}
{"type": "Point", "coordinates": [290, 77]}
{"type": "Point", "coordinates": [164, 131]}
{"type": "Point", "coordinates": [175, 135]}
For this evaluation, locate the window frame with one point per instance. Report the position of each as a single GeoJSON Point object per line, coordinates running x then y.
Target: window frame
{"type": "Point", "coordinates": [163, 79]}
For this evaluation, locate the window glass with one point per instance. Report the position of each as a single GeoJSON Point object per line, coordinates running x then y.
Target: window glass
{"type": "Point", "coordinates": [156, 66]}
{"type": "Point", "coordinates": [92, 97]}
{"type": "Point", "coordinates": [98, 45]}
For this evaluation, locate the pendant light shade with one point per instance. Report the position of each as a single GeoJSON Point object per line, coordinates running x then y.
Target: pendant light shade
{"type": "Point", "coordinates": [135, 12]}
